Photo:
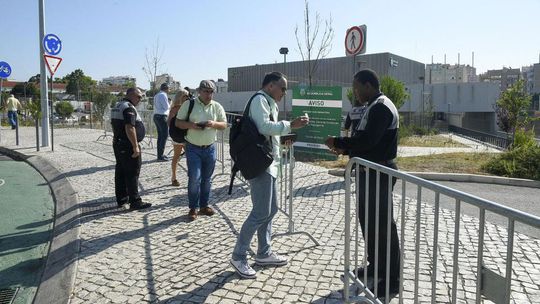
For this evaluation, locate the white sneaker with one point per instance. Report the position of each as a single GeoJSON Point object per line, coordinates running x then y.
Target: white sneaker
{"type": "Point", "coordinates": [243, 269]}
{"type": "Point", "coordinates": [271, 260]}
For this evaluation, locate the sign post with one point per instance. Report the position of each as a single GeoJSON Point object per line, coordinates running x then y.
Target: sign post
{"type": "Point", "coordinates": [5, 71]}
{"type": "Point", "coordinates": [355, 42]}
{"type": "Point", "coordinates": [52, 45]}
{"type": "Point", "coordinates": [323, 106]}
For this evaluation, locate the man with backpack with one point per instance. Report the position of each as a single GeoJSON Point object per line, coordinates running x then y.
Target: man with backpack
{"type": "Point", "coordinates": [263, 110]}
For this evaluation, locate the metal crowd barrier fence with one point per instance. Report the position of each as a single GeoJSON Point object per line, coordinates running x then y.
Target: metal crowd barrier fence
{"type": "Point", "coordinates": [286, 179]}
{"type": "Point", "coordinates": [107, 127]}
{"type": "Point", "coordinates": [465, 265]}
{"type": "Point", "coordinates": [147, 117]}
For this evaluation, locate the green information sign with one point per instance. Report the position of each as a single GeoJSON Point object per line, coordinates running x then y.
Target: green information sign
{"type": "Point", "coordinates": [323, 106]}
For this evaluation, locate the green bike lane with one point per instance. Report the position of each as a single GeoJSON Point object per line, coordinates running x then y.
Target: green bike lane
{"type": "Point", "coordinates": [26, 222]}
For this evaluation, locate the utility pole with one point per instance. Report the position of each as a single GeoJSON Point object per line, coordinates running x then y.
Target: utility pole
{"type": "Point", "coordinates": [43, 79]}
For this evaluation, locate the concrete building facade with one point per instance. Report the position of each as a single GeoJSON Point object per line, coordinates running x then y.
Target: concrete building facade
{"type": "Point", "coordinates": [330, 72]}
{"type": "Point", "coordinates": [119, 80]}
{"type": "Point", "coordinates": [504, 77]}
{"type": "Point", "coordinates": [446, 73]}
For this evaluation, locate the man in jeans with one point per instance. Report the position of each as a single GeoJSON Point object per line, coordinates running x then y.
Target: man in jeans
{"type": "Point", "coordinates": [263, 187]}
{"type": "Point", "coordinates": [207, 116]}
{"type": "Point", "coordinates": [161, 111]}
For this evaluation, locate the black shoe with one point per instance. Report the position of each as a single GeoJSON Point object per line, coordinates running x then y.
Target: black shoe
{"type": "Point", "coordinates": [381, 289]}
{"type": "Point", "coordinates": [121, 204]}
{"type": "Point", "coordinates": [163, 158]}
{"type": "Point", "coordinates": [139, 206]}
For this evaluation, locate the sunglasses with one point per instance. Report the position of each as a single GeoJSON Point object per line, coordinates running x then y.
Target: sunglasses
{"type": "Point", "coordinates": [283, 89]}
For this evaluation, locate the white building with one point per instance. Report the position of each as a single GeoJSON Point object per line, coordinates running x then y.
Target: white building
{"type": "Point", "coordinates": [221, 86]}
{"type": "Point", "coordinates": [119, 80]}
{"type": "Point", "coordinates": [446, 73]}
{"type": "Point", "coordinates": [168, 79]}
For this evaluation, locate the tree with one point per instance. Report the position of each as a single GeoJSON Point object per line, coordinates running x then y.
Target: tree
{"type": "Point", "coordinates": [512, 108]}
{"type": "Point", "coordinates": [79, 84]}
{"type": "Point", "coordinates": [153, 63]}
{"type": "Point", "coordinates": [64, 109]}
{"type": "Point", "coordinates": [34, 108]}
{"type": "Point", "coordinates": [36, 78]}
{"type": "Point", "coordinates": [102, 101]}
{"type": "Point", "coordinates": [19, 90]}
{"type": "Point", "coordinates": [395, 90]}
{"type": "Point", "coordinates": [310, 50]}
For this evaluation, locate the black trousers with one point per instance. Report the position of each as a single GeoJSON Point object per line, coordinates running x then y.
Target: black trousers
{"type": "Point", "coordinates": [384, 194]}
{"type": "Point", "coordinates": [126, 173]}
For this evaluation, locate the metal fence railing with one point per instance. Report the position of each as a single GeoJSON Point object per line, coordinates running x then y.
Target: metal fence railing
{"type": "Point", "coordinates": [446, 256]}
{"type": "Point", "coordinates": [494, 140]}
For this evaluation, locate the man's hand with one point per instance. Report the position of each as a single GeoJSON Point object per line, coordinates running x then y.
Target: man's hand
{"type": "Point", "coordinates": [338, 151]}
{"type": "Point", "coordinates": [299, 122]}
{"type": "Point", "coordinates": [136, 152]}
{"type": "Point", "coordinates": [195, 126]}
{"type": "Point", "coordinates": [329, 142]}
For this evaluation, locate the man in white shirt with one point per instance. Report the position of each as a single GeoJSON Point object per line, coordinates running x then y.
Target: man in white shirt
{"type": "Point", "coordinates": [161, 111]}
{"type": "Point", "coordinates": [264, 112]}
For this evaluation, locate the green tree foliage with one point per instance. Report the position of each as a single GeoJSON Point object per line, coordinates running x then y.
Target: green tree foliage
{"type": "Point", "coordinates": [31, 90]}
{"type": "Point", "coordinates": [77, 83]}
{"type": "Point", "coordinates": [101, 102]}
{"type": "Point", "coordinates": [512, 108]}
{"type": "Point", "coordinates": [34, 108]}
{"type": "Point", "coordinates": [395, 90]}
{"type": "Point", "coordinates": [63, 109]}
{"type": "Point", "coordinates": [36, 78]}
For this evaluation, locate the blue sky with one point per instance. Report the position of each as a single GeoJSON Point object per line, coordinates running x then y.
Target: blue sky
{"type": "Point", "coordinates": [201, 39]}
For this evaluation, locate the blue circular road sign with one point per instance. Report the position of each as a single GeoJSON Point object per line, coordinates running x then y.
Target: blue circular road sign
{"type": "Point", "coordinates": [52, 44]}
{"type": "Point", "coordinates": [5, 69]}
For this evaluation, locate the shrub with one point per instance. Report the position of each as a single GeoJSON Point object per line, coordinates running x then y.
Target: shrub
{"type": "Point", "coordinates": [522, 161]}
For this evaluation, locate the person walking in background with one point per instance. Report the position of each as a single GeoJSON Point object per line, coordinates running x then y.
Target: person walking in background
{"type": "Point", "coordinates": [128, 130]}
{"type": "Point", "coordinates": [375, 139]}
{"type": "Point", "coordinates": [207, 116]}
{"type": "Point", "coordinates": [180, 97]}
{"type": "Point", "coordinates": [264, 112]}
{"type": "Point", "coordinates": [13, 105]}
{"type": "Point", "coordinates": [161, 111]}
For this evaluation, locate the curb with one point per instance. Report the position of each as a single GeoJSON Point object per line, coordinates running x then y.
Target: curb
{"type": "Point", "coordinates": [58, 277]}
{"type": "Point", "coordinates": [467, 178]}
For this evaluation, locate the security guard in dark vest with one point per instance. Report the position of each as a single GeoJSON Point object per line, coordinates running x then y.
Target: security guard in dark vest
{"type": "Point", "coordinates": [128, 130]}
{"type": "Point", "coordinates": [375, 139]}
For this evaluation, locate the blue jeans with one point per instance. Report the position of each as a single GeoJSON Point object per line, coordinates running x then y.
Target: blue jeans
{"type": "Point", "coordinates": [162, 133]}
{"type": "Point", "coordinates": [200, 163]}
{"type": "Point", "coordinates": [12, 117]}
{"type": "Point", "coordinates": [264, 199]}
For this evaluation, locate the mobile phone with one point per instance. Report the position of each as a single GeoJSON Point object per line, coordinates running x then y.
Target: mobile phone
{"type": "Point", "coordinates": [288, 137]}
{"type": "Point", "coordinates": [202, 124]}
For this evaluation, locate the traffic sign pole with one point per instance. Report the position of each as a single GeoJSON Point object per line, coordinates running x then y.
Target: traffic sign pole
{"type": "Point", "coordinates": [43, 79]}
{"type": "Point", "coordinates": [52, 117]}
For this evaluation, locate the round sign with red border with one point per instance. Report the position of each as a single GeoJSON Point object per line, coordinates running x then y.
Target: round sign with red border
{"type": "Point", "coordinates": [354, 40]}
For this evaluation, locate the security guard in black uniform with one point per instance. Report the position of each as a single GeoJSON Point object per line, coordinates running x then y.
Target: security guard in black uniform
{"type": "Point", "coordinates": [128, 130]}
{"type": "Point", "coordinates": [375, 139]}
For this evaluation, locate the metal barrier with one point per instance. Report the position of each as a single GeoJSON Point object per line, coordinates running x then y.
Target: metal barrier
{"type": "Point", "coordinates": [494, 140]}
{"type": "Point", "coordinates": [286, 179]}
{"type": "Point", "coordinates": [454, 271]}
{"type": "Point", "coordinates": [107, 126]}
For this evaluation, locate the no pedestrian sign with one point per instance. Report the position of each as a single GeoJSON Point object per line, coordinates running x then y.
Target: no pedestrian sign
{"type": "Point", "coordinates": [355, 40]}
{"type": "Point", "coordinates": [52, 62]}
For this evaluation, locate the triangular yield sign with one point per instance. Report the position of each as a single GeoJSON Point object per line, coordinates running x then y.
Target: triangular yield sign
{"type": "Point", "coordinates": [52, 62]}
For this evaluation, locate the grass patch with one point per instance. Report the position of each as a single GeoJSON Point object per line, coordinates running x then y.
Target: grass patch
{"type": "Point", "coordinates": [470, 163]}
{"type": "Point", "coordinates": [430, 141]}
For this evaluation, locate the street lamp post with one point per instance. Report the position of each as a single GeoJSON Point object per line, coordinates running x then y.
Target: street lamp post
{"type": "Point", "coordinates": [284, 51]}
{"type": "Point", "coordinates": [422, 78]}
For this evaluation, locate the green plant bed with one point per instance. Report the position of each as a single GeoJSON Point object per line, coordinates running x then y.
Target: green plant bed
{"type": "Point", "coordinates": [430, 141]}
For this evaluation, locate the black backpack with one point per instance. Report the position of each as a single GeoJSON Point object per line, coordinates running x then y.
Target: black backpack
{"type": "Point", "coordinates": [250, 151]}
{"type": "Point", "coordinates": [178, 134]}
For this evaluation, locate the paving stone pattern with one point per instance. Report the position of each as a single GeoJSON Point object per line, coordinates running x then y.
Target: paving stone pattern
{"type": "Point", "coordinates": [158, 256]}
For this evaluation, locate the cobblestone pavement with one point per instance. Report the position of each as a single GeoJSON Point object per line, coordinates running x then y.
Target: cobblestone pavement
{"type": "Point", "coordinates": [158, 256]}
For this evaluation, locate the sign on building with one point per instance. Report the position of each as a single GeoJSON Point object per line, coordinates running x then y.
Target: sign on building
{"type": "Point", "coordinates": [323, 106]}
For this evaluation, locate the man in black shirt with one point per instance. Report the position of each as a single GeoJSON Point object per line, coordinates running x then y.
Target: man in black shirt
{"type": "Point", "coordinates": [375, 139]}
{"type": "Point", "coordinates": [128, 130]}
